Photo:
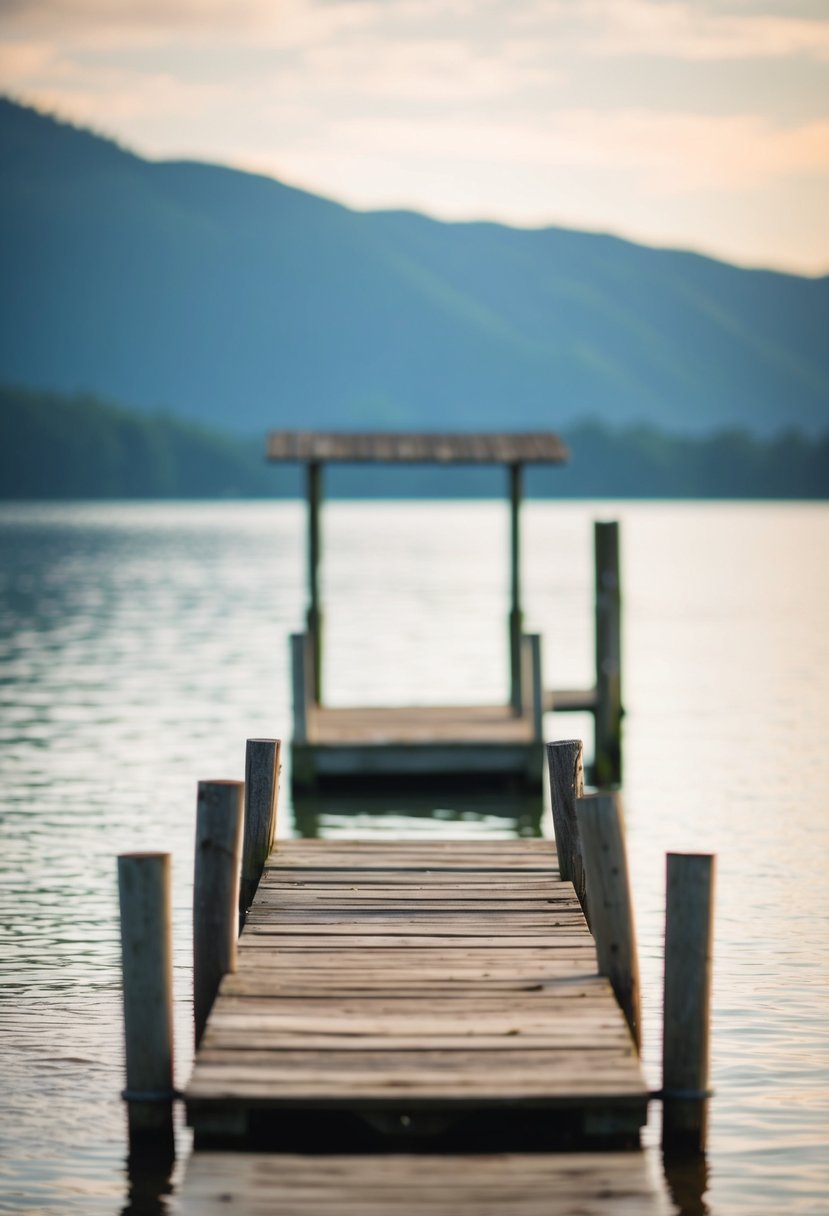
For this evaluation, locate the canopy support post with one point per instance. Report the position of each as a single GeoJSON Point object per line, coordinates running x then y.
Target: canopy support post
{"type": "Point", "coordinates": [516, 623]}
{"type": "Point", "coordinates": [314, 616]}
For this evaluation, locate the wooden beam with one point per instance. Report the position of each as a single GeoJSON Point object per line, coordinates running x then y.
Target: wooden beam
{"type": "Point", "coordinates": [416, 447]}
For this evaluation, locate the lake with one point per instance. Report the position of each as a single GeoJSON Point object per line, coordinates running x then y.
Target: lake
{"type": "Point", "coordinates": [141, 644]}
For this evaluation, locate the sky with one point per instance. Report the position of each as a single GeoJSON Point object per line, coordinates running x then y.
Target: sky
{"type": "Point", "coordinates": [700, 124]}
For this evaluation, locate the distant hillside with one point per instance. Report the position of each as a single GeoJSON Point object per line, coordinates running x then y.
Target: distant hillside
{"type": "Point", "coordinates": [55, 447]}
{"type": "Point", "coordinates": [80, 447]}
{"type": "Point", "coordinates": [244, 304]}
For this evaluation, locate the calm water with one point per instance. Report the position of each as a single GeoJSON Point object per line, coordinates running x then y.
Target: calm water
{"type": "Point", "coordinates": [141, 644]}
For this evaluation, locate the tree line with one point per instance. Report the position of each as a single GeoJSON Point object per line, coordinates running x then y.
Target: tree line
{"type": "Point", "coordinates": [58, 447]}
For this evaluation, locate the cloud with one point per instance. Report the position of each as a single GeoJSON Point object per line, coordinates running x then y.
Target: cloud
{"type": "Point", "coordinates": [457, 106]}
{"type": "Point", "coordinates": [671, 154]}
{"type": "Point", "coordinates": [673, 28]}
{"type": "Point", "coordinates": [692, 31]}
{"type": "Point", "coordinates": [112, 24]}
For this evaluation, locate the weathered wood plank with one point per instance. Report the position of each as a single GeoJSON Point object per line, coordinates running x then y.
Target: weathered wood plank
{"type": "Point", "coordinates": [563, 1184]}
{"type": "Point", "coordinates": [421, 447]}
{"type": "Point", "coordinates": [420, 724]}
{"type": "Point", "coordinates": [314, 985]}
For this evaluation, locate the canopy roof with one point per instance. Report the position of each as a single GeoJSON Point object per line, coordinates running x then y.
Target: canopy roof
{"type": "Point", "coordinates": [355, 447]}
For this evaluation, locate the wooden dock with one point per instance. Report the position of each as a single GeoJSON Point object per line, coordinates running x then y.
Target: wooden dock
{"type": "Point", "coordinates": [419, 1028]}
{"type": "Point", "coordinates": [438, 993]}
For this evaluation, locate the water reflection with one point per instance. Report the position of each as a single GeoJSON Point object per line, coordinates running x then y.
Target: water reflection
{"type": "Point", "coordinates": [687, 1179]}
{"type": "Point", "coordinates": [402, 813]}
{"type": "Point", "coordinates": [149, 1183]}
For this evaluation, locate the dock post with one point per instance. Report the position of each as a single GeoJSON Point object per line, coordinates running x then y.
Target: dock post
{"type": "Point", "coordinates": [314, 617]}
{"type": "Point", "coordinates": [219, 813]}
{"type": "Point", "coordinates": [300, 684]}
{"type": "Point", "coordinates": [687, 1001]}
{"type": "Point", "coordinates": [602, 831]}
{"type": "Point", "coordinates": [516, 616]}
{"type": "Point", "coordinates": [607, 765]}
{"type": "Point", "coordinates": [147, 968]}
{"type": "Point", "coordinates": [565, 762]}
{"type": "Point", "coordinates": [261, 788]}
{"type": "Point", "coordinates": [532, 692]}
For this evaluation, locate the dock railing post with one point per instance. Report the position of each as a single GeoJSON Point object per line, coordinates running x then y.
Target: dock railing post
{"type": "Point", "coordinates": [261, 789]}
{"type": "Point", "coordinates": [219, 813]}
{"type": "Point", "coordinates": [566, 766]}
{"type": "Point", "coordinates": [314, 617]}
{"type": "Point", "coordinates": [301, 651]}
{"type": "Point", "coordinates": [516, 616]}
{"type": "Point", "coordinates": [532, 692]}
{"type": "Point", "coordinates": [147, 968]}
{"type": "Point", "coordinates": [602, 832]}
{"type": "Point", "coordinates": [607, 765]}
{"type": "Point", "coordinates": [687, 1001]}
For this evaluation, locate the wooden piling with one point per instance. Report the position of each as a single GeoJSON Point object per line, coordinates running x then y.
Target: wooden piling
{"type": "Point", "coordinates": [687, 1008]}
{"type": "Point", "coordinates": [219, 814]}
{"type": "Point", "coordinates": [301, 651]}
{"type": "Point", "coordinates": [261, 782]}
{"type": "Point", "coordinates": [516, 616]}
{"type": "Point", "coordinates": [607, 765]}
{"type": "Point", "coordinates": [147, 967]}
{"type": "Point", "coordinates": [602, 833]}
{"type": "Point", "coordinates": [314, 616]}
{"type": "Point", "coordinates": [565, 763]}
{"type": "Point", "coordinates": [532, 691]}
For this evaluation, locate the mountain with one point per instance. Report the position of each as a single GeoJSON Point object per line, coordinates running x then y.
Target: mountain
{"type": "Point", "coordinates": [242, 303]}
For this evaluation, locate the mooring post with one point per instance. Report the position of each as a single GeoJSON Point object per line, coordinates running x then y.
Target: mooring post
{"type": "Point", "coordinates": [147, 968]}
{"type": "Point", "coordinates": [261, 784]}
{"type": "Point", "coordinates": [607, 765]}
{"type": "Point", "coordinates": [314, 617]}
{"type": "Point", "coordinates": [689, 918]}
{"type": "Point", "coordinates": [300, 683]}
{"type": "Point", "coordinates": [219, 814]}
{"type": "Point", "coordinates": [516, 616]}
{"type": "Point", "coordinates": [565, 762]}
{"type": "Point", "coordinates": [532, 691]}
{"type": "Point", "coordinates": [602, 831]}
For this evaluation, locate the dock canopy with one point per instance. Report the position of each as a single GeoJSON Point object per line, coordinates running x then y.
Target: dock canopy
{"type": "Point", "coordinates": [315, 449]}
{"type": "Point", "coordinates": [392, 447]}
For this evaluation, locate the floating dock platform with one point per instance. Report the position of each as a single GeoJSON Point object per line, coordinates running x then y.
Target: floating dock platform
{"type": "Point", "coordinates": [431, 745]}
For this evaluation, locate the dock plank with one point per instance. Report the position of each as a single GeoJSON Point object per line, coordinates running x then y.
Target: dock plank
{"type": "Point", "coordinates": [419, 724]}
{"type": "Point", "coordinates": [563, 1184]}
